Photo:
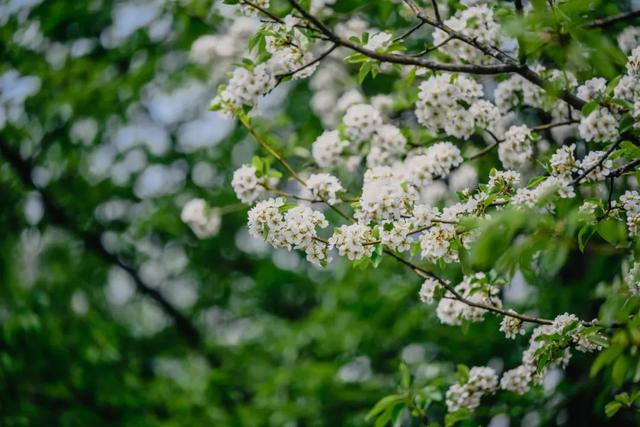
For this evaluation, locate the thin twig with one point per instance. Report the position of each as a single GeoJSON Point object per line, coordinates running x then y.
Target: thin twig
{"type": "Point", "coordinates": [326, 53]}
{"type": "Point", "coordinates": [597, 164]}
{"type": "Point", "coordinates": [610, 20]}
{"type": "Point", "coordinates": [403, 59]}
{"type": "Point", "coordinates": [409, 32]}
{"type": "Point", "coordinates": [626, 168]}
{"type": "Point", "coordinates": [287, 166]}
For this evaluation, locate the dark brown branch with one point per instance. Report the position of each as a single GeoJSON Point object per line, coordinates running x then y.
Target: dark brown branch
{"type": "Point", "coordinates": [626, 168]}
{"type": "Point", "coordinates": [427, 274]}
{"type": "Point", "coordinates": [604, 157]}
{"type": "Point", "coordinates": [436, 11]}
{"type": "Point", "coordinates": [409, 32]}
{"type": "Point", "coordinates": [403, 59]}
{"type": "Point", "coordinates": [305, 66]}
{"type": "Point", "coordinates": [611, 20]}
{"type": "Point", "coordinates": [92, 241]}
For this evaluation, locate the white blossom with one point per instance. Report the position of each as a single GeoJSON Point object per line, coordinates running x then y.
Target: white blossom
{"type": "Point", "coordinates": [593, 89]}
{"type": "Point", "coordinates": [328, 148]}
{"type": "Point", "coordinates": [203, 220]}
{"type": "Point", "coordinates": [246, 184]}
{"type": "Point", "coordinates": [353, 241]}
{"type": "Point", "coordinates": [378, 41]}
{"type": "Point", "coordinates": [385, 196]}
{"type": "Point", "coordinates": [244, 88]}
{"type": "Point", "coordinates": [482, 380]}
{"type": "Point", "coordinates": [361, 121]}
{"type": "Point", "coordinates": [428, 290]}
{"type": "Point", "coordinates": [601, 168]}
{"type": "Point", "coordinates": [440, 102]}
{"type": "Point", "coordinates": [511, 326]}
{"type": "Point", "coordinates": [517, 380]}
{"type": "Point", "coordinates": [563, 162]}
{"type": "Point", "coordinates": [599, 125]}
{"type": "Point", "coordinates": [477, 23]}
{"type": "Point", "coordinates": [516, 149]}
{"type": "Point", "coordinates": [434, 162]}
{"type": "Point", "coordinates": [629, 39]}
{"type": "Point", "coordinates": [632, 278]}
{"type": "Point", "coordinates": [324, 186]}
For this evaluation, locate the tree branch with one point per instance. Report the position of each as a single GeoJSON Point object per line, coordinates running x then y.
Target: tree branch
{"type": "Point", "coordinates": [403, 59]}
{"type": "Point", "coordinates": [611, 20]}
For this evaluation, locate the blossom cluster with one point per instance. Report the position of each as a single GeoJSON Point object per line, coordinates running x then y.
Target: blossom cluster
{"type": "Point", "coordinates": [406, 168]}
{"type": "Point", "coordinates": [481, 380]}
{"type": "Point", "coordinates": [203, 220]}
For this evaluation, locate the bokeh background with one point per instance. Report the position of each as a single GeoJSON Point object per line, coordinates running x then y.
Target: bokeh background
{"type": "Point", "coordinates": [112, 313]}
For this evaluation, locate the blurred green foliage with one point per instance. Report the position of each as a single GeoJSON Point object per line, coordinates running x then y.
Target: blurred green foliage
{"type": "Point", "coordinates": [280, 343]}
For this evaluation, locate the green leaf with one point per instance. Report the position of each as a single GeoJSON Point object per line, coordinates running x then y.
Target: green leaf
{"type": "Point", "coordinates": [626, 123]}
{"type": "Point", "coordinates": [612, 408]}
{"type": "Point", "coordinates": [405, 375]}
{"type": "Point", "coordinates": [364, 71]}
{"type": "Point", "coordinates": [462, 373]}
{"type": "Point", "coordinates": [411, 76]}
{"type": "Point", "coordinates": [376, 256]}
{"type": "Point", "coordinates": [383, 404]}
{"type": "Point", "coordinates": [589, 108]}
{"type": "Point", "coordinates": [452, 418]}
{"type": "Point", "coordinates": [619, 371]}
{"type": "Point", "coordinates": [584, 235]}
{"type": "Point", "coordinates": [612, 231]}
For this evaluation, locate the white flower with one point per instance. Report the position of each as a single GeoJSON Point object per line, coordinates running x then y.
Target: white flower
{"type": "Point", "coordinates": [324, 186]}
{"type": "Point", "coordinates": [428, 290]}
{"type": "Point", "coordinates": [439, 104]}
{"type": "Point", "coordinates": [601, 171]}
{"type": "Point", "coordinates": [511, 326]}
{"type": "Point", "coordinates": [435, 162]}
{"type": "Point", "coordinates": [516, 149]}
{"type": "Point", "coordinates": [379, 40]}
{"type": "Point", "coordinates": [298, 227]}
{"type": "Point", "coordinates": [203, 221]}
{"type": "Point", "coordinates": [463, 178]}
{"type": "Point", "coordinates": [599, 125]}
{"type": "Point", "coordinates": [487, 116]}
{"type": "Point", "coordinates": [435, 243]}
{"type": "Point", "coordinates": [473, 288]}
{"type": "Point", "coordinates": [389, 138]}
{"type": "Point", "coordinates": [628, 88]}
{"type": "Point", "coordinates": [353, 241]}
{"type": "Point", "coordinates": [515, 90]}
{"type": "Point", "coordinates": [482, 380]}
{"type": "Point", "coordinates": [633, 279]}
{"type": "Point", "coordinates": [246, 184]}
{"type": "Point", "coordinates": [517, 380]}
{"type": "Point", "coordinates": [593, 89]}
{"type": "Point", "coordinates": [347, 99]}
{"type": "Point", "coordinates": [633, 63]}
{"type": "Point", "coordinates": [264, 218]}
{"type": "Point", "coordinates": [505, 180]}
{"type": "Point", "coordinates": [252, 11]}
{"type": "Point", "coordinates": [327, 149]}
{"type": "Point", "coordinates": [385, 196]}
{"type": "Point", "coordinates": [563, 162]}
{"type": "Point", "coordinates": [631, 204]}
{"type": "Point", "coordinates": [477, 23]}
{"type": "Point", "coordinates": [361, 121]}
{"type": "Point", "coordinates": [629, 39]}
{"type": "Point", "coordinates": [244, 88]}
{"type": "Point", "coordinates": [398, 237]}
